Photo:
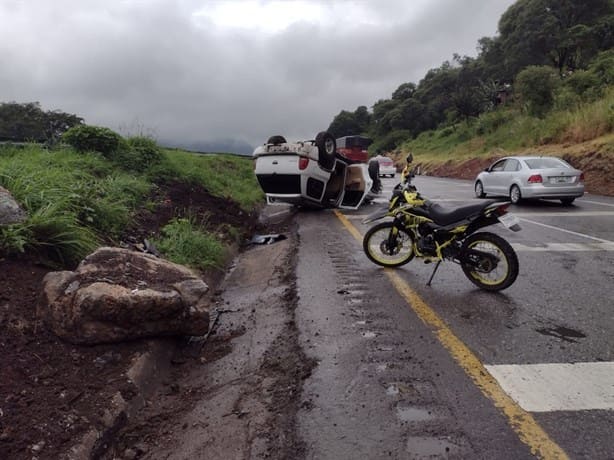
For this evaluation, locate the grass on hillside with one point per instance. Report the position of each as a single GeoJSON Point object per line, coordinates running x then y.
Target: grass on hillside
{"type": "Point", "coordinates": [507, 130]}
{"type": "Point", "coordinates": [77, 201]}
{"type": "Point", "coordinates": [226, 176]}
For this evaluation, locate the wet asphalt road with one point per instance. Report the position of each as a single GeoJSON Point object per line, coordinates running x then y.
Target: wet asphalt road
{"type": "Point", "coordinates": [390, 385]}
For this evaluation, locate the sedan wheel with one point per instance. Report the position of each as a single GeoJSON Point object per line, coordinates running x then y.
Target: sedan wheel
{"type": "Point", "coordinates": [515, 195]}
{"type": "Point", "coordinates": [479, 190]}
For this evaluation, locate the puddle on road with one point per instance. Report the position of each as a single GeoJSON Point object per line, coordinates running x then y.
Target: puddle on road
{"type": "Point", "coordinates": [563, 333]}
{"type": "Point", "coordinates": [415, 414]}
{"type": "Point", "coordinates": [420, 447]}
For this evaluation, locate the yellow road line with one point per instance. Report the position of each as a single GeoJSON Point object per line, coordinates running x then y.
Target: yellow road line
{"type": "Point", "coordinates": [521, 421]}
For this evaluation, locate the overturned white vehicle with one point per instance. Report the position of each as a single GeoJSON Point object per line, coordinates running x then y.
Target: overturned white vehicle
{"type": "Point", "coordinates": [322, 173]}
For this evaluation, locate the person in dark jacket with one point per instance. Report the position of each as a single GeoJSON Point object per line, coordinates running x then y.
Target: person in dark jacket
{"type": "Point", "coordinates": [373, 167]}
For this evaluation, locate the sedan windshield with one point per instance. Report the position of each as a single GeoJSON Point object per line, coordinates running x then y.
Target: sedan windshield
{"type": "Point", "coordinates": [543, 163]}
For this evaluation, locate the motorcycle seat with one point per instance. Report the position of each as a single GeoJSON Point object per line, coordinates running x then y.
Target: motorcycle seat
{"type": "Point", "coordinates": [445, 216]}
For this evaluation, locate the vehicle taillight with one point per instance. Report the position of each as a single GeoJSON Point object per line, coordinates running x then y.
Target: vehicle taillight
{"type": "Point", "coordinates": [535, 179]}
{"type": "Point", "coordinates": [303, 162]}
{"type": "Point", "coordinates": [502, 209]}
{"type": "Point", "coordinates": [581, 177]}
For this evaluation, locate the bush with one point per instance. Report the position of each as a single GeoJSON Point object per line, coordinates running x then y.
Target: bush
{"type": "Point", "coordinates": [86, 138]}
{"type": "Point", "coordinates": [140, 154]}
{"type": "Point", "coordinates": [603, 67]}
{"type": "Point", "coordinates": [390, 141]}
{"type": "Point", "coordinates": [489, 122]}
{"type": "Point", "coordinates": [535, 85]}
{"type": "Point", "coordinates": [585, 84]}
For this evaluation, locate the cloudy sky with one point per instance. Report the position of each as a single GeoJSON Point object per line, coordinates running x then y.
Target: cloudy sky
{"type": "Point", "coordinates": [199, 70]}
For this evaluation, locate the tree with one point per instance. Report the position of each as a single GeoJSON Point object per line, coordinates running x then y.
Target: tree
{"type": "Point", "coordinates": [404, 91]}
{"type": "Point", "coordinates": [28, 122]}
{"type": "Point", "coordinates": [348, 123]}
{"type": "Point", "coordinates": [435, 92]}
{"type": "Point", "coordinates": [561, 33]}
{"type": "Point", "coordinates": [535, 85]}
{"type": "Point", "coordinates": [380, 120]}
{"type": "Point", "coordinates": [363, 118]}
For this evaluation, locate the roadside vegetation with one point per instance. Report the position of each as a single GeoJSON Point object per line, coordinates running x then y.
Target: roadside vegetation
{"type": "Point", "coordinates": [512, 130]}
{"type": "Point", "coordinates": [547, 78]}
{"type": "Point", "coordinates": [86, 193]}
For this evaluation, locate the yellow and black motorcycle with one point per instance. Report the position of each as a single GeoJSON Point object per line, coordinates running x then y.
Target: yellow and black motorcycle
{"type": "Point", "coordinates": [424, 229]}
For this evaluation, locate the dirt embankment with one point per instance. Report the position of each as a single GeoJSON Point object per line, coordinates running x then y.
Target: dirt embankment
{"type": "Point", "coordinates": [593, 158]}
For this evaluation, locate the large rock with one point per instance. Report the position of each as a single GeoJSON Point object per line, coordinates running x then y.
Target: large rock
{"type": "Point", "coordinates": [10, 211]}
{"type": "Point", "coordinates": [116, 295]}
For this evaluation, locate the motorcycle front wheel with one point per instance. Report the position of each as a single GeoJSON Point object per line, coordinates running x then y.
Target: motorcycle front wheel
{"type": "Point", "coordinates": [483, 272]}
{"type": "Point", "coordinates": [388, 246]}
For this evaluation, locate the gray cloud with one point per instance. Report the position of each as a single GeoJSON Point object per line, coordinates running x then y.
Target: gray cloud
{"type": "Point", "coordinates": [170, 69]}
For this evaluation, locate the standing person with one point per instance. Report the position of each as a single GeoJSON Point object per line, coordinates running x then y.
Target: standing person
{"type": "Point", "coordinates": [408, 171]}
{"type": "Point", "coordinates": [373, 168]}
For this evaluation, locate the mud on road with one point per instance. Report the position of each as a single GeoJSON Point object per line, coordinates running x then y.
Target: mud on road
{"type": "Point", "coordinates": [141, 399]}
{"type": "Point", "coordinates": [235, 393]}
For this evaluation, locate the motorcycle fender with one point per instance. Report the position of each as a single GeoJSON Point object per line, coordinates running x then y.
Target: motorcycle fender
{"type": "Point", "coordinates": [380, 214]}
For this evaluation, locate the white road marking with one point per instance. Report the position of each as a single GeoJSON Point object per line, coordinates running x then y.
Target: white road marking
{"type": "Point", "coordinates": [564, 247]}
{"type": "Point", "coordinates": [583, 235]}
{"type": "Point", "coordinates": [565, 214]}
{"type": "Point", "coordinates": [597, 202]}
{"type": "Point", "coordinates": [558, 386]}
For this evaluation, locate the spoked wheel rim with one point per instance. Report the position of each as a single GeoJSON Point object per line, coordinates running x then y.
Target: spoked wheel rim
{"type": "Point", "coordinates": [387, 251]}
{"type": "Point", "coordinates": [488, 273]}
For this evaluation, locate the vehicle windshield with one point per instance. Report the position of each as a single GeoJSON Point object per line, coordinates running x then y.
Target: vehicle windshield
{"type": "Point", "coordinates": [543, 163]}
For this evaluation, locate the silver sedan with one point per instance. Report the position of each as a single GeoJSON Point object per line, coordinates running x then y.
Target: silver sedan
{"type": "Point", "coordinates": [522, 177]}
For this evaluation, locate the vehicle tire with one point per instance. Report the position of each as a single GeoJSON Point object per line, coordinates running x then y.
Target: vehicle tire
{"type": "Point", "coordinates": [515, 195]}
{"type": "Point", "coordinates": [327, 148]}
{"type": "Point", "coordinates": [485, 275]}
{"type": "Point", "coordinates": [567, 201]}
{"type": "Point", "coordinates": [383, 247]}
{"type": "Point", "coordinates": [276, 140]}
{"type": "Point", "coordinates": [479, 190]}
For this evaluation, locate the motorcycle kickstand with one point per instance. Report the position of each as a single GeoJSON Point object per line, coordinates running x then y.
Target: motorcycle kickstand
{"type": "Point", "coordinates": [433, 274]}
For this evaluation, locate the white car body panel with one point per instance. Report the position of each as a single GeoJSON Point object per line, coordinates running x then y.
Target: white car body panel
{"type": "Point", "coordinates": [562, 181]}
{"type": "Point", "coordinates": [277, 169]}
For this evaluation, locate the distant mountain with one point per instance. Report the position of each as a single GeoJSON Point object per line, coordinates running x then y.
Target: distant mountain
{"type": "Point", "coordinates": [235, 146]}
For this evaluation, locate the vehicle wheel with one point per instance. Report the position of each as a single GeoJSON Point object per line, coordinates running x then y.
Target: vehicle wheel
{"type": "Point", "coordinates": [515, 195]}
{"type": "Point", "coordinates": [481, 271]}
{"type": "Point", "coordinates": [327, 147]}
{"type": "Point", "coordinates": [388, 246]}
{"type": "Point", "coordinates": [567, 201]}
{"type": "Point", "coordinates": [479, 190]}
{"type": "Point", "coordinates": [276, 140]}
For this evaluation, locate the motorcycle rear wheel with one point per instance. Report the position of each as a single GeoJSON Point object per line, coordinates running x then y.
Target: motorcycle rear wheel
{"type": "Point", "coordinates": [383, 247]}
{"type": "Point", "coordinates": [486, 276]}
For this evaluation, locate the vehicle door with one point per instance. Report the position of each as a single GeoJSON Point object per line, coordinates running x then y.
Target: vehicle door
{"type": "Point", "coordinates": [357, 185]}
{"type": "Point", "coordinates": [494, 179]}
{"type": "Point", "coordinates": [509, 175]}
